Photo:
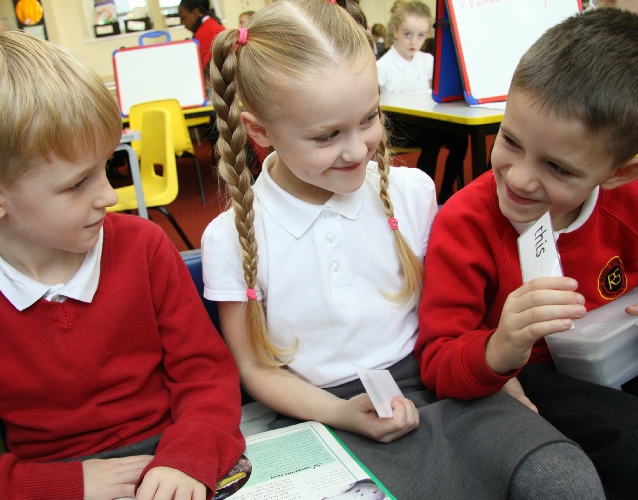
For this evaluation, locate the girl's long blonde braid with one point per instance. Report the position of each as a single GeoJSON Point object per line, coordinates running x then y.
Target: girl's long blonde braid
{"type": "Point", "coordinates": [411, 265]}
{"type": "Point", "coordinates": [233, 169]}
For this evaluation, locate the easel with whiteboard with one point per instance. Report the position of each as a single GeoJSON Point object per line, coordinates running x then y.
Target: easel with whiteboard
{"type": "Point", "coordinates": [479, 44]}
{"type": "Point", "coordinates": [161, 71]}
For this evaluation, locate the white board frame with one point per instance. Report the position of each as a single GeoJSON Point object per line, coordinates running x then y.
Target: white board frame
{"type": "Point", "coordinates": [162, 71]}
{"type": "Point", "coordinates": [492, 35]}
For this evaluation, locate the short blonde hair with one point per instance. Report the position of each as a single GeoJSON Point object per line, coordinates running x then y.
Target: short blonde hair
{"type": "Point", "coordinates": [51, 105]}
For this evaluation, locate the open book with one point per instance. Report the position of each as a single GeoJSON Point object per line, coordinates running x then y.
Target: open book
{"type": "Point", "coordinates": [301, 462]}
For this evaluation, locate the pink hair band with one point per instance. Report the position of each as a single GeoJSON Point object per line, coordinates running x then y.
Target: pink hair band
{"type": "Point", "coordinates": [333, 1]}
{"type": "Point", "coordinates": [251, 294]}
{"type": "Point", "coordinates": [243, 36]}
{"type": "Point", "coordinates": [394, 224]}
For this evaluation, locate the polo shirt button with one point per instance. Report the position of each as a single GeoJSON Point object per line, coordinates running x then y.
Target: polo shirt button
{"type": "Point", "coordinates": [330, 238]}
{"type": "Point", "coordinates": [335, 267]}
{"type": "Point", "coordinates": [325, 215]}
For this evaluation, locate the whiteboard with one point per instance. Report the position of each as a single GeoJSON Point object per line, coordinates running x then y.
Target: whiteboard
{"type": "Point", "coordinates": [162, 71]}
{"type": "Point", "coordinates": [492, 35]}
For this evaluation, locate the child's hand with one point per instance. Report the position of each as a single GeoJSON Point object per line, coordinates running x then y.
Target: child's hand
{"type": "Point", "coordinates": [363, 419]}
{"type": "Point", "coordinates": [114, 477]}
{"type": "Point", "coordinates": [514, 388]}
{"type": "Point", "coordinates": [164, 483]}
{"type": "Point", "coordinates": [633, 310]}
{"type": "Point", "coordinates": [538, 308]}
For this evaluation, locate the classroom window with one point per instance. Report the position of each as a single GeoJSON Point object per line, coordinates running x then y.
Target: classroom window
{"type": "Point", "coordinates": [130, 15]}
{"type": "Point", "coordinates": [170, 9]}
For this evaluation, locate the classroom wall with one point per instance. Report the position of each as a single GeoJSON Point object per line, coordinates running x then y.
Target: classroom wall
{"type": "Point", "coordinates": [6, 13]}
{"type": "Point", "coordinates": [68, 23]}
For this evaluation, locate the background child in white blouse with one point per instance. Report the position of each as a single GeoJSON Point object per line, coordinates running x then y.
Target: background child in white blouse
{"type": "Point", "coordinates": [405, 68]}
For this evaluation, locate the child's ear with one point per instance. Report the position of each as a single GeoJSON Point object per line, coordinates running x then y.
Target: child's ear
{"type": "Point", "coordinates": [623, 174]}
{"type": "Point", "coordinates": [255, 129]}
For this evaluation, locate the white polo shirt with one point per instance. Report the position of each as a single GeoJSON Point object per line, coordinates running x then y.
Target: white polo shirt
{"type": "Point", "coordinates": [323, 270]}
{"type": "Point", "coordinates": [23, 291]}
{"type": "Point", "coordinates": [398, 75]}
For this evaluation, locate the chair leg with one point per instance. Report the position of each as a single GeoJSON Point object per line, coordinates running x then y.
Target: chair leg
{"type": "Point", "coordinates": [459, 181]}
{"type": "Point", "coordinates": [172, 220]}
{"type": "Point", "coordinates": [196, 134]}
{"type": "Point", "coordinates": [198, 170]}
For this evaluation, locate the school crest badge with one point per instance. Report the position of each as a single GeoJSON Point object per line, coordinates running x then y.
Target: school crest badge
{"type": "Point", "coordinates": [612, 280]}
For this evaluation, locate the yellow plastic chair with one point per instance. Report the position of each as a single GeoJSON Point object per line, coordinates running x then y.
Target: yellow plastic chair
{"type": "Point", "coordinates": [181, 137]}
{"type": "Point", "coordinates": [158, 168]}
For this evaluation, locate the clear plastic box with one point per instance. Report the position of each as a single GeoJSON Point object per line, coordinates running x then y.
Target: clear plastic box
{"type": "Point", "coordinates": [602, 347]}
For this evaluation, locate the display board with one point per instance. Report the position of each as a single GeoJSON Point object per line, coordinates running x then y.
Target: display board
{"type": "Point", "coordinates": [161, 71]}
{"type": "Point", "coordinates": [488, 39]}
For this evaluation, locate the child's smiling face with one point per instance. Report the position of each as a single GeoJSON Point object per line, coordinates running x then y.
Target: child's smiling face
{"type": "Point", "coordinates": [328, 133]}
{"type": "Point", "coordinates": [544, 162]}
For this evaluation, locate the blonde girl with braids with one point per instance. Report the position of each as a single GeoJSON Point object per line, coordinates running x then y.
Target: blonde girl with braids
{"type": "Point", "coordinates": [318, 264]}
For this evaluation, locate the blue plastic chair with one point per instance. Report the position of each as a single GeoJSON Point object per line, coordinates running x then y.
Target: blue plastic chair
{"type": "Point", "coordinates": [193, 261]}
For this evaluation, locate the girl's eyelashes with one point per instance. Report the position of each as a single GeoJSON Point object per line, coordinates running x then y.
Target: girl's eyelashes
{"type": "Point", "coordinates": [327, 137]}
{"type": "Point", "coordinates": [372, 116]}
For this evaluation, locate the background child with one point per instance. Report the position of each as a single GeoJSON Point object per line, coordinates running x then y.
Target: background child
{"type": "Point", "coordinates": [107, 351]}
{"type": "Point", "coordinates": [567, 144]}
{"type": "Point", "coordinates": [318, 266]}
{"type": "Point", "coordinates": [405, 68]}
{"type": "Point", "coordinates": [379, 35]}
{"type": "Point", "coordinates": [197, 16]}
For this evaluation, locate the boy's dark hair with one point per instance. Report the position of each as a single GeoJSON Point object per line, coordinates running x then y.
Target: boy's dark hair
{"type": "Point", "coordinates": [586, 68]}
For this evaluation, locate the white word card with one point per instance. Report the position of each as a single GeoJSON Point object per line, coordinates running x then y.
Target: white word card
{"type": "Point", "coordinates": [537, 251]}
{"type": "Point", "coordinates": [381, 388]}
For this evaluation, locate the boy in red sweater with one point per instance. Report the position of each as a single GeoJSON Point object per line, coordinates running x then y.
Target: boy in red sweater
{"type": "Point", "coordinates": [114, 381]}
{"type": "Point", "coordinates": [567, 144]}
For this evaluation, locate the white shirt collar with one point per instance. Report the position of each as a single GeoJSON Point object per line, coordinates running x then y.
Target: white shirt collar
{"type": "Point", "coordinates": [23, 291]}
{"type": "Point", "coordinates": [294, 215]}
{"type": "Point", "coordinates": [585, 212]}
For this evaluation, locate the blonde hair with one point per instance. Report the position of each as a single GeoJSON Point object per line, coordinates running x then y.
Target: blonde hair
{"type": "Point", "coordinates": [400, 10]}
{"type": "Point", "coordinates": [290, 40]}
{"type": "Point", "coordinates": [51, 105]}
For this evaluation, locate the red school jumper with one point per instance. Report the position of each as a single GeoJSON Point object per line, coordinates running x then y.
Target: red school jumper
{"type": "Point", "coordinates": [141, 359]}
{"type": "Point", "coordinates": [472, 265]}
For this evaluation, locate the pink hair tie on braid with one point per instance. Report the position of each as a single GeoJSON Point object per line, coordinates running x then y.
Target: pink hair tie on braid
{"type": "Point", "coordinates": [243, 36]}
{"type": "Point", "coordinates": [394, 224]}
{"type": "Point", "coordinates": [333, 1]}
{"type": "Point", "coordinates": [251, 294]}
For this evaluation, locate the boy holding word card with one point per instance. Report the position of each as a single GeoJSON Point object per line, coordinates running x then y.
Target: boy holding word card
{"type": "Point", "coordinates": [567, 145]}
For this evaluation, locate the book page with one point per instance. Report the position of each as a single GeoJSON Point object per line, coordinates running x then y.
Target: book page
{"type": "Point", "coordinates": [304, 462]}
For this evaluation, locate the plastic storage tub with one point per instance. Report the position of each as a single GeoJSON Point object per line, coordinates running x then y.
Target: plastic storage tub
{"type": "Point", "coordinates": [603, 345]}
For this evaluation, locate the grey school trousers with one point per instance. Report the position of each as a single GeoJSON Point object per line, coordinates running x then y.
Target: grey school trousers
{"type": "Point", "coordinates": [461, 450]}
